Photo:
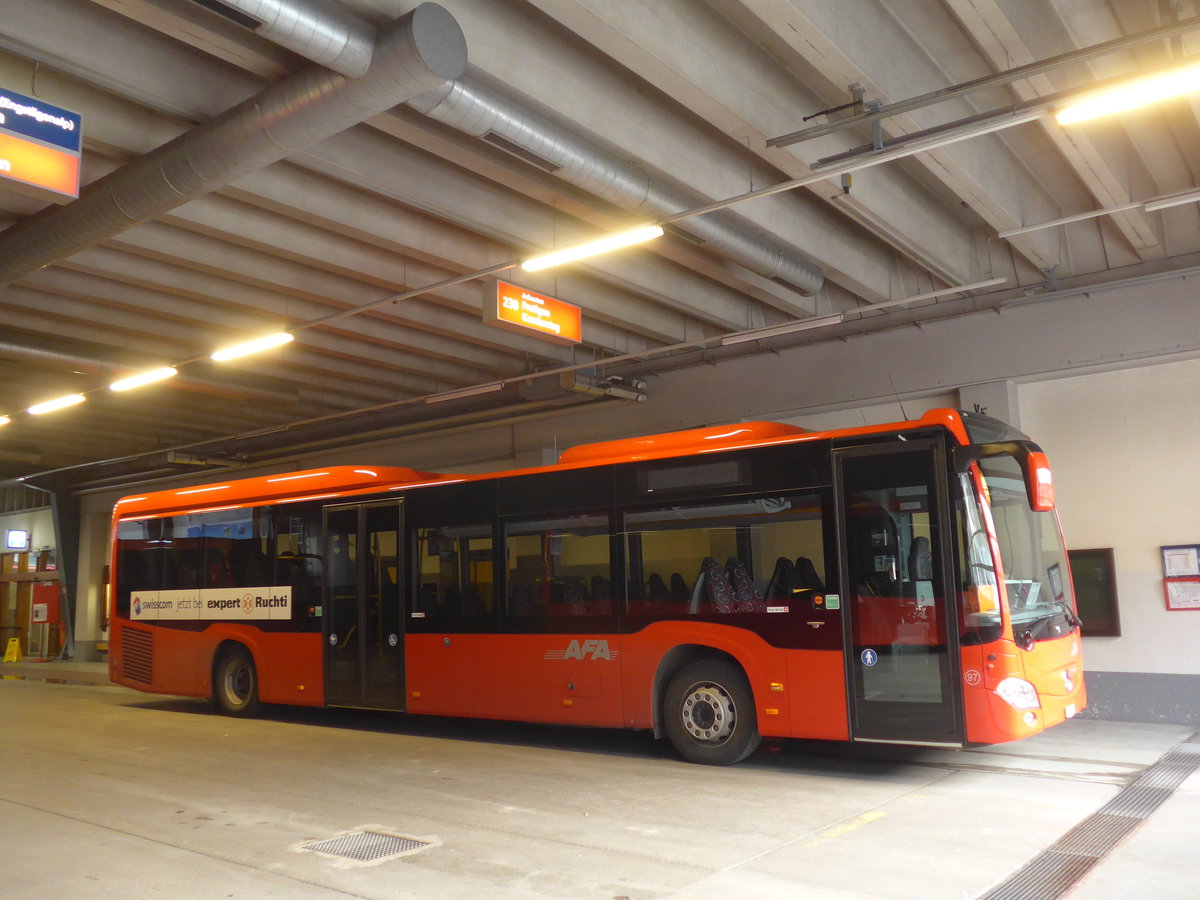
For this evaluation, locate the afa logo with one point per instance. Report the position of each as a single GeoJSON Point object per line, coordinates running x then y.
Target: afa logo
{"type": "Point", "coordinates": [589, 649]}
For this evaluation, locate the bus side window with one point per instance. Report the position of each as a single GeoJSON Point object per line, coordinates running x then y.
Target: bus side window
{"type": "Point", "coordinates": [559, 567]}
{"type": "Point", "coordinates": [453, 570]}
{"type": "Point", "coordinates": [728, 556]}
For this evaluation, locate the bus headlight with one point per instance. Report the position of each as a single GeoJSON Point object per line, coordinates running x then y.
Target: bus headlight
{"type": "Point", "coordinates": [1018, 693]}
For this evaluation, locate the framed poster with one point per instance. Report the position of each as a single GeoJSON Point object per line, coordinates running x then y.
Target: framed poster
{"type": "Point", "coordinates": [1181, 561]}
{"type": "Point", "coordinates": [1182, 593]}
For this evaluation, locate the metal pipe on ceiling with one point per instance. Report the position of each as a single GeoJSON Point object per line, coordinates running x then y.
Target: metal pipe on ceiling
{"type": "Point", "coordinates": [484, 108]}
{"type": "Point", "coordinates": [411, 55]}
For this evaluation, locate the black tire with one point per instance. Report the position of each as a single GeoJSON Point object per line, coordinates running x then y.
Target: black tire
{"type": "Point", "coordinates": [235, 683]}
{"type": "Point", "coordinates": [709, 713]}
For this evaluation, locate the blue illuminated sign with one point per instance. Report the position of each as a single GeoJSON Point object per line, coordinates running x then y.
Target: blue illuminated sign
{"type": "Point", "coordinates": [40, 120]}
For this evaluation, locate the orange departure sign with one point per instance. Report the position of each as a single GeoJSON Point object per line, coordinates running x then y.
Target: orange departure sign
{"type": "Point", "coordinates": [522, 310]}
{"type": "Point", "coordinates": [38, 166]}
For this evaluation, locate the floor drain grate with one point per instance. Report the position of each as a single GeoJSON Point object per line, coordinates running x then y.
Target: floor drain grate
{"type": "Point", "coordinates": [1060, 867]}
{"type": "Point", "coordinates": [366, 846]}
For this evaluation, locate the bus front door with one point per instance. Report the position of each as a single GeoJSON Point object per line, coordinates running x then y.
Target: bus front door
{"type": "Point", "coordinates": [901, 675]}
{"type": "Point", "coordinates": [364, 643]}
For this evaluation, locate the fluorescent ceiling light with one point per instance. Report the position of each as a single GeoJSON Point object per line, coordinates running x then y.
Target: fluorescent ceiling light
{"type": "Point", "coordinates": [149, 377]}
{"type": "Point", "coordinates": [1132, 94]}
{"type": "Point", "coordinates": [1172, 200]}
{"type": "Point", "coordinates": [4, 420]}
{"type": "Point", "coordinates": [593, 248]}
{"type": "Point", "coordinates": [254, 346]}
{"type": "Point", "coordinates": [57, 403]}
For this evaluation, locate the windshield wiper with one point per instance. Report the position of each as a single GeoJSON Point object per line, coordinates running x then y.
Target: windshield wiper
{"type": "Point", "coordinates": [1072, 619]}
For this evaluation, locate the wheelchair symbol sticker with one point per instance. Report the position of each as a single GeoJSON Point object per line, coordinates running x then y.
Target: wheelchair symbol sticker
{"type": "Point", "coordinates": [869, 657]}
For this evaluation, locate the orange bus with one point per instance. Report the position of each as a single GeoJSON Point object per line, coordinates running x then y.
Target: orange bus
{"type": "Point", "coordinates": [896, 583]}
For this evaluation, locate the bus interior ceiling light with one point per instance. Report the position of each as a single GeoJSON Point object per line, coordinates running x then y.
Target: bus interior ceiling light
{"type": "Point", "coordinates": [57, 403]}
{"type": "Point", "coordinates": [593, 248]}
{"type": "Point", "coordinates": [144, 378]}
{"type": "Point", "coordinates": [266, 342]}
{"type": "Point", "coordinates": [1132, 94]}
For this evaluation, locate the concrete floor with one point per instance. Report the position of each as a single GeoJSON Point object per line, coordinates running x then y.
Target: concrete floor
{"type": "Point", "coordinates": [105, 792]}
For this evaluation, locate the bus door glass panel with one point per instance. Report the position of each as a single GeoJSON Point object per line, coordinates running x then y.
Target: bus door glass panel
{"type": "Point", "coordinates": [343, 675]}
{"type": "Point", "coordinates": [364, 640]}
{"type": "Point", "coordinates": [383, 635]}
{"type": "Point", "coordinates": [900, 670]}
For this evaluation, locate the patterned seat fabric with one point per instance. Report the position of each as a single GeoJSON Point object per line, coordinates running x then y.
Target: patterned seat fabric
{"type": "Point", "coordinates": [745, 595]}
{"type": "Point", "coordinates": [718, 591]}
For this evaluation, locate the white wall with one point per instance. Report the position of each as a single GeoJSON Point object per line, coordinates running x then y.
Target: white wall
{"type": "Point", "coordinates": [1124, 448]}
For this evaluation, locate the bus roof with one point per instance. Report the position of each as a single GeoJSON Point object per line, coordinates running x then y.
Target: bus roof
{"type": "Point", "coordinates": [337, 481]}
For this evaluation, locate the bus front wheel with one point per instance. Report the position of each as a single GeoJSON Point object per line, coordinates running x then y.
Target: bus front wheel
{"type": "Point", "coordinates": [709, 713]}
{"type": "Point", "coordinates": [235, 685]}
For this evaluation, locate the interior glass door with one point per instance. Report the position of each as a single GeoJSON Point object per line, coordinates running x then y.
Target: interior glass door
{"type": "Point", "coordinates": [892, 508]}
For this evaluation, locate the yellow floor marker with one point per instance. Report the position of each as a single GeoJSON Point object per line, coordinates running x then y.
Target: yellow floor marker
{"type": "Point", "coordinates": [13, 652]}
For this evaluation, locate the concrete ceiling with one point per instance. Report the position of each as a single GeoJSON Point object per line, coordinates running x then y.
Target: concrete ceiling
{"type": "Point", "coordinates": [682, 94]}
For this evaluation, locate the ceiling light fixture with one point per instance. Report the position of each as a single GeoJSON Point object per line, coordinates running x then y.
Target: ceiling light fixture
{"type": "Point", "coordinates": [258, 344]}
{"type": "Point", "coordinates": [1172, 200]}
{"type": "Point", "coordinates": [4, 420]}
{"type": "Point", "coordinates": [144, 378]}
{"type": "Point", "coordinates": [1164, 202]}
{"type": "Point", "coordinates": [593, 248]}
{"type": "Point", "coordinates": [57, 403]}
{"type": "Point", "coordinates": [1132, 94]}
{"type": "Point", "coordinates": [465, 392]}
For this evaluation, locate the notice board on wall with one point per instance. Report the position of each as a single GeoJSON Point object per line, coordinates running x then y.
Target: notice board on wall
{"type": "Point", "coordinates": [1181, 576]}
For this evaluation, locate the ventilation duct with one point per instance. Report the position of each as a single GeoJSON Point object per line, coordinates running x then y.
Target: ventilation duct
{"type": "Point", "coordinates": [411, 55]}
{"type": "Point", "coordinates": [320, 30]}
{"type": "Point", "coordinates": [477, 105]}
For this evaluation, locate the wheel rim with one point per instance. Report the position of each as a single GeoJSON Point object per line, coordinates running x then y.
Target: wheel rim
{"type": "Point", "coordinates": [239, 683]}
{"type": "Point", "coordinates": [708, 713]}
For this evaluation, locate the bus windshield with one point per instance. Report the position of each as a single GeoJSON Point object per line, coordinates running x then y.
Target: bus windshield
{"type": "Point", "coordinates": [1036, 579]}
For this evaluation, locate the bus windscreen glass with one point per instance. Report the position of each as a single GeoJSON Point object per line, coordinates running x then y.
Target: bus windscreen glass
{"type": "Point", "coordinates": [1033, 558]}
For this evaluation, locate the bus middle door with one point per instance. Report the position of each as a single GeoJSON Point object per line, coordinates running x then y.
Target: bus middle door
{"type": "Point", "coordinates": [364, 640]}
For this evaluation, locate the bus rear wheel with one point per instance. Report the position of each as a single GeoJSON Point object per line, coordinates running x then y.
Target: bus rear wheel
{"type": "Point", "coordinates": [235, 683]}
{"type": "Point", "coordinates": [709, 713]}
